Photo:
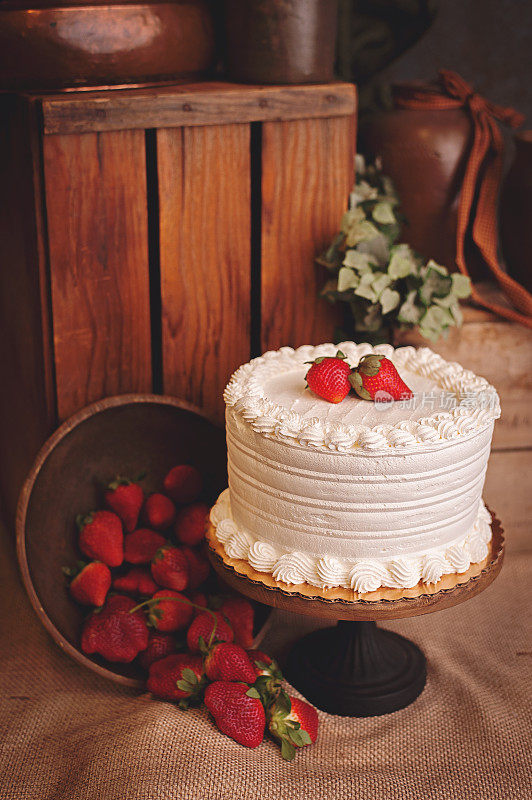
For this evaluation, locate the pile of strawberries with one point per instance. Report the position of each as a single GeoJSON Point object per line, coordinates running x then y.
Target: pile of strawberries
{"type": "Point", "coordinates": [146, 580]}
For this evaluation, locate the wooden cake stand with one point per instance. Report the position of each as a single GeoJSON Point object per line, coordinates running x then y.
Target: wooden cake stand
{"type": "Point", "coordinates": [356, 669]}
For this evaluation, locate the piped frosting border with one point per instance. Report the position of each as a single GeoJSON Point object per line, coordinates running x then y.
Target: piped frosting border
{"type": "Point", "coordinates": [361, 575]}
{"type": "Point", "coordinates": [478, 402]}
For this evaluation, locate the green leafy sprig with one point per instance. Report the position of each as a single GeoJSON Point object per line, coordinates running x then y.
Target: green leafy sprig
{"type": "Point", "coordinates": [384, 282]}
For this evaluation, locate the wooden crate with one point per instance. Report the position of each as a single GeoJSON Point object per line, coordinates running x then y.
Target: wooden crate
{"type": "Point", "coordinates": [155, 239]}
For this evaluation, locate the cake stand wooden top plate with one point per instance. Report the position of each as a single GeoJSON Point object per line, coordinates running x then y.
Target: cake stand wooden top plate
{"type": "Point", "coordinates": [345, 604]}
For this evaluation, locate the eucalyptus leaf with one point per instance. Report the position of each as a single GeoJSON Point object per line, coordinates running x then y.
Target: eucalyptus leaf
{"type": "Point", "coordinates": [358, 260]}
{"type": "Point", "coordinates": [456, 312]}
{"type": "Point", "coordinates": [378, 247]}
{"type": "Point", "coordinates": [331, 287]}
{"type": "Point", "coordinates": [331, 254]}
{"type": "Point", "coordinates": [461, 285]}
{"type": "Point", "coordinates": [410, 313]}
{"type": "Point", "coordinates": [389, 300]}
{"type": "Point", "coordinates": [430, 334]}
{"type": "Point", "coordinates": [402, 263]}
{"type": "Point", "coordinates": [434, 285]}
{"type": "Point", "coordinates": [380, 281]}
{"type": "Point", "coordinates": [347, 279]}
{"type": "Point", "coordinates": [383, 213]}
{"type": "Point", "coordinates": [436, 318]}
{"type": "Point", "coordinates": [360, 232]}
{"type": "Point", "coordinates": [365, 289]}
{"type": "Point", "coordinates": [431, 264]}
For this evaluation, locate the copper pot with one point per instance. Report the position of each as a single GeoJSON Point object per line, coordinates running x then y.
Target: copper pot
{"type": "Point", "coordinates": [80, 45]}
{"type": "Point", "coordinates": [425, 154]}
{"type": "Point", "coordinates": [516, 212]}
{"type": "Point", "coordinates": [280, 41]}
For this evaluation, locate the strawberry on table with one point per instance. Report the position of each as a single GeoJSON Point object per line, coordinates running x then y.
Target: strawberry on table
{"type": "Point", "coordinates": [269, 678]}
{"type": "Point", "coordinates": [199, 599]}
{"type": "Point", "coordinates": [190, 524]}
{"type": "Point", "coordinates": [125, 498]}
{"type": "Point", "coordinates": [141, 545]}
{"type": "Point", "coordinates": [183, 483]}
{"type": "Point", "coordinates": [264, 664]}
{"type": "Point", "coordinates": [176, 677]}
{"type": "Point", "coordinates": [159, 646]}
{"type": "Point", "coordinates": [328, 377]}
{"type": "Point", "coordinates": [116, 632]}
{"type": "Point", "coordinates": [207, 628]}
{"type": "Point", "coordinates": [293, 722]}
{"type": "Point", "coordinates": [237, 711]}
{"type": "Point", "coordinates": [159, 511]}
{"type": "Point", "coordinates": [90, 582]}
{"type": "Point", "coordinates": [169, 568]}
{"type": "Point", "coordinates": [101, 537]}
{"type": "Point", "coordinates": [227, 661]}
{"type": "Point", "coordinates": [376, 377]}
{"type": "Point", "coordinates": [169, 611]}
{"type": "Point", "coordinates": [240, 614]}
{"type": "Point", "coordinates": [198, 567]}
{"type": "Point", "coordinates": [137, 581]}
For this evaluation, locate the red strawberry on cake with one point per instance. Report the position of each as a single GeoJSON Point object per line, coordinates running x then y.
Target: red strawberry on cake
{"type": "Point", "coordinates": [328, 377]}
{"type": "Point", "coordinates": [376, 378]}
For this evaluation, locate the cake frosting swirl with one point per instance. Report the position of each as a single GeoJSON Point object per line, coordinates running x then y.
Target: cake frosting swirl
{"type": "Point", "coordinates": [356, 495]}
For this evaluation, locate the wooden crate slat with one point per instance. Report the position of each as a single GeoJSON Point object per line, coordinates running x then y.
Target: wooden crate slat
{"type": "Point", "coordinates": [204, 191]}
{"type": "Point", "coordinates": [307, 173]}
{"type": "Point", "coordinates": [98, 244]}
{"type": "Point", "coordinates": [27, 406]}
{"type": "Point", "coordinates": [198, 104]}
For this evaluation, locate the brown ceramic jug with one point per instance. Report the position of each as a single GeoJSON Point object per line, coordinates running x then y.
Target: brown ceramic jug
{"type": "Point", "coordinates": [280, 41]}
{"type": "Point", "coordinates": [425, 153]}
{"type": "Point", "coordinates": [53, 44]}
{"type": "Point", "coordinates": [516, 212]}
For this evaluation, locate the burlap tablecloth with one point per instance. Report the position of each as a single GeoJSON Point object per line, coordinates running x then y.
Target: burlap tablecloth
{"type": "Point", "coordinates": [69, 735]}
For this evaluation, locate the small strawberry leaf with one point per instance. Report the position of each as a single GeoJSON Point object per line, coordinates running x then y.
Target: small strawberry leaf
{"type": "Point", "coordinates": [305, 735]}
{"type": "Point", "coordinates": [189, 675]}
{"type": "Point", "coordinates": [288, 751]}
{"type": "Point", "coordinates": [252, 692]}
{"type": "Point", "coordinates": [184, 686]}
{"type": "Point", "coordinates": [283, 703]}
{"type": "Point", "coordinates": [295, 737]}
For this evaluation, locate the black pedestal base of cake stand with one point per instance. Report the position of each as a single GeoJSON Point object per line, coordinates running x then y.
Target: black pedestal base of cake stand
{"type": "Point", "coordinates": [357, 669]}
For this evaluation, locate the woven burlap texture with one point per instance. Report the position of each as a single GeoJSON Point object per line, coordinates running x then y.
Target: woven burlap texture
{"type": "Point", "coordinates": [69, 735]}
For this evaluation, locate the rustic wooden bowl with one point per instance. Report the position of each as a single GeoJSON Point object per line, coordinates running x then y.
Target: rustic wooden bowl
{"type": "Point", "coordinates": [125, 435]}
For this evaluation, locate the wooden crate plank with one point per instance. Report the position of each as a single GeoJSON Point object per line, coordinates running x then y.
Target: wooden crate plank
{"type": "Point", "coordinates": [98, 244]}
{"type": "Point", "coordinates": [507, 492]}
{"type": "Point", "coordinates": [307, 173]}
{"type": "Point", "coordinates": [204, 190]}
{"type": "Point", "coordinates": [213, 103]}
{"type": "Point", "coordinates": [27, 407]}
{"type": "Point", "coordinates": [501, 352]}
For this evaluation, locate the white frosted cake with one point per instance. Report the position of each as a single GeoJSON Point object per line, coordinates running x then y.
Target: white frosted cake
{"type": "Point", "coordinates": [356, 494]}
